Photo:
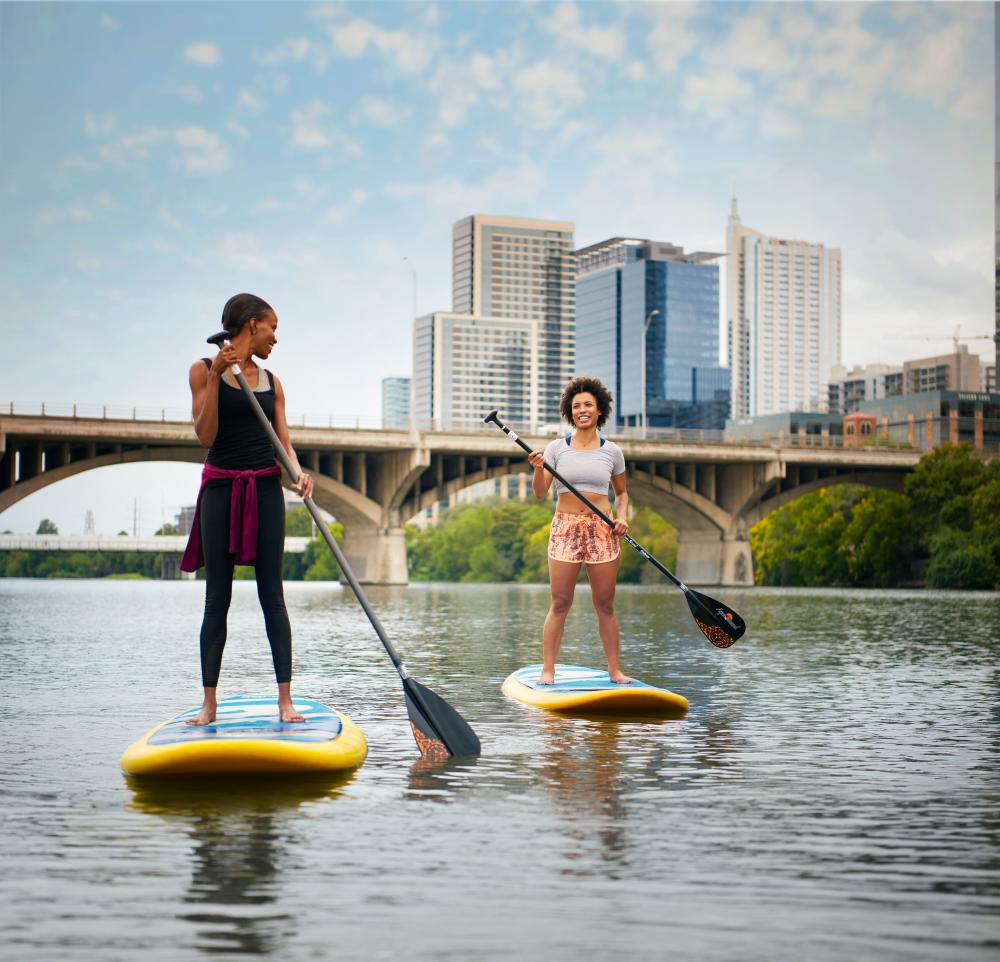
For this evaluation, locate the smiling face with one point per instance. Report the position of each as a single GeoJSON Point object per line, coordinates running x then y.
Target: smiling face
{"type": "Point", "coordinates": [266, 336]}
{"type": "Point", "coordinates": [585, 410]}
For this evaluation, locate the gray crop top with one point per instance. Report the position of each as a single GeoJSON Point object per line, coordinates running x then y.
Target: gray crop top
{"type": "Point", "coordinates": [590, 470]}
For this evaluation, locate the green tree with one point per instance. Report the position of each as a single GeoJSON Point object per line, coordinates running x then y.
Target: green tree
{"type": "Point", "coordinates": [298, 522]}
{"type": "Point", "coordinates": [168, 528]}
{"type": "Point", "coordinates": [878, 539]}
{"type": "Point", "coordinates": [318, 562]}
{"type": "Point", "coordinates": [45, 526]}
{"type": "Point", "coordinates": [658, 537]}
{"type": "Point", "coordinates": [941, 488]}
{"type": "Point", "coordinates": [962, 559]}
{"type": "Point", "coordinates": [802, 542]}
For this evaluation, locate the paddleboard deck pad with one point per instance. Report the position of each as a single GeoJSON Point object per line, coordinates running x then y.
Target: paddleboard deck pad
{"type": "Point", "coordinates": [247, 738]}
{"type": "Point", "coordinates": [590, 691]}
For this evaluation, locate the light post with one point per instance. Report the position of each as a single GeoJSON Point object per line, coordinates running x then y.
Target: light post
{"type": "Point", "coordinates": [645, 331]}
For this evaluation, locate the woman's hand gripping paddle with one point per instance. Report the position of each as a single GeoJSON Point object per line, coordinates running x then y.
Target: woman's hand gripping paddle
{"type": "Point", "coordinates": [440, 731]}
{"type": "Point", "coordinates": [718, 622]}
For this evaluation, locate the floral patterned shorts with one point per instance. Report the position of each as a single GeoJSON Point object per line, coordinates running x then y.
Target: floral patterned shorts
{"type": "Point", "coordinates": [582, 538]}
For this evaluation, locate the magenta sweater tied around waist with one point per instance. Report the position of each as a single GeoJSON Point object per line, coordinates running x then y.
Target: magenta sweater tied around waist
{"type": "Point", "coordinates": [242, 515]}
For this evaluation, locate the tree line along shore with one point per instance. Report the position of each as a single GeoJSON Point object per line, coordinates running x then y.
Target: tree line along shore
{"type": "Point", "coordinates": [942, 532]}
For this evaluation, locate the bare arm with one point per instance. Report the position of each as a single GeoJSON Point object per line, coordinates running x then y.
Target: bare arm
{"type": "Point", "coordinates": [304, 486]}
{"type": "Point", "coordinates": [621, 503]}
{"type": "Point", "coordinates": [204, 402]}
{"type": "Point", "coordinates": [541, 480]}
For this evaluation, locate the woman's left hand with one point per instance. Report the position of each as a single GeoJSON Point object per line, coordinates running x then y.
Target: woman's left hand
{"type": "Point", "coordinates": [621, 527]}
{"type": "Point", "coordinates": [304, 486]}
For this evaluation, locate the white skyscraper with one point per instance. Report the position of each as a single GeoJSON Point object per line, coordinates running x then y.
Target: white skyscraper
{"type": "Point", "coordinates": [783, 321]}
{"type": "Point", "coordinates": [508, 342]}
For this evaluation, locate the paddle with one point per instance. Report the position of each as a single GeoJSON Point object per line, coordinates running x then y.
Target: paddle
{"type": "Point", "coordinates": [718, 622]}
{"type": "Point", "coordinates": [440, 731]}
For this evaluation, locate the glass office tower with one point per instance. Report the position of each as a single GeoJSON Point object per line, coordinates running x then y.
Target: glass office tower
{"type": "Point", "coordinates": [648, 326]}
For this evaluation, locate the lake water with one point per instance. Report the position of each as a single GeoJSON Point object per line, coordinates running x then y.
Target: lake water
{"type": "Point", "coordinates": [833, 793]}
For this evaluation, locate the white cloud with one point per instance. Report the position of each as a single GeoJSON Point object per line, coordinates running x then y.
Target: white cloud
{"type": "Point", "coordinates": [77, 213]}
{"type": "Point", "coordinates": [312, 131]}
{"type": "Point", "coordinates": [196, 150]}
{"type": "Point", "coordinates": [383, 113]}
{"type": "Point", "coordinates": [715, 93]}
{"type": "Point", "coordinates": [409, 51]}
{"type": "Point", "coordinates": [205, 53]}
{"type": "Point", "coordinates": [77, 162]}
{"type": "Point", "coordinates": [98, 125]}
{"type": "Point", "coordinates": [547, 91]}
{"type": "Point", "coordinates": [108, 23]}
{"type": "Point", "coordinates": [606, 43]}
{"type": "Point", "coordinates": [673, 35]}
{"type": "Point", "coordinates": [459, 85]}
{"type": "Point", "coordinates": [291, 50]}
{"type": "Point", "coordinates": [168, 219]}
{"type": "Point", "coordinates": [249, 102]}
{"type": "Point", "coordinates": [338, 213]}
{"type": "Point", "coordinates": [238, 129]}
{"type": "Point", "coordinates": [201, 151]}
{"type": "Point", "coordinates": [190, 92]}
{"type": "Point", "coordinates": [933, 71]}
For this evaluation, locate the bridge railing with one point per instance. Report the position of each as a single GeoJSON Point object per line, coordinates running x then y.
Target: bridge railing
{"type": "Point", "coordinates": [124, 412]}
{"type": "Point", "coordinates": [893, 436]}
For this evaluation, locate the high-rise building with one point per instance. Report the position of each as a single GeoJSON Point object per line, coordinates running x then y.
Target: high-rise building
{"type": "Point", "coordinates": [508, 341]}
{"type": "Point", "coordinates": [647, 324]}
{"type": "Point", "coordinates": [465, 366]}
{"type": "Point", "coordinates": [522, 269]}
{"type": "Point", "coordinates": [783, 325]}
{"type": "Point", "coordinates": [848, 391]}
{"type": "Point", "coordinates": [395, 402]}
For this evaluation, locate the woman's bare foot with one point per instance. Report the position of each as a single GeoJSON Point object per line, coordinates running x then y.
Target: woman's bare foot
{"type": "Point", "coordinates": [205, 717]}
{"type": "Point", "coordinates": [619, 679]}
{"type": "Point", "coordinates": [287, 713]}
{"type": "Point", "coordinates": [546, 678]}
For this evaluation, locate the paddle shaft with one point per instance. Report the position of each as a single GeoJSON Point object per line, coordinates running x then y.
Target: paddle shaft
{"type": "Point", "coordinates": [286, 463]}
{"type": "Point", "coordinates": [593, 507]}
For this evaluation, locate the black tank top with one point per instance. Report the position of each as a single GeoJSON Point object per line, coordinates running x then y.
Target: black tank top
{"type": "Point", "coordinates": [241, 444]}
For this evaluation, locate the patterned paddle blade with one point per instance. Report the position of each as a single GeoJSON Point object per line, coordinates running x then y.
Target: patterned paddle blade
{"type": "Point", "coordinates": [440, 731]}
{"type": "Point", "coordinates": [718, 622]}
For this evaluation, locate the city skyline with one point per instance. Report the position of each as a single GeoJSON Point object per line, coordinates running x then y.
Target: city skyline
{"type": "Point", "coordinates": [158, 158]}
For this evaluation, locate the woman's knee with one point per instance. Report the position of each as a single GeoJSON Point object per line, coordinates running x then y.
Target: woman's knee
{"type": "Point", "coordinates": [604, 605]}
{"type": "Point", "coordinates": [561, 603]}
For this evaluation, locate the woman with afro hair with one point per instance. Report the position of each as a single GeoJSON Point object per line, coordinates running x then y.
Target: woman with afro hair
{"type": "Point", "coordinates": [578, 536]}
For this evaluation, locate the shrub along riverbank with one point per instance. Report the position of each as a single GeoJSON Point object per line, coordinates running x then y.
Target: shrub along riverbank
{"type": "Point", "coordinates": [944, 531]}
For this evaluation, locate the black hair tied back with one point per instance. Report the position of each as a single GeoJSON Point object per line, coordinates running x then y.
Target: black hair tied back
{"type": "Point", "coordinates": [240, 308]}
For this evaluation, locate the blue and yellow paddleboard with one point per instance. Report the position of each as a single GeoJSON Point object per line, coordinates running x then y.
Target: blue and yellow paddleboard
{"type": "Point", "coordinates": [589, 691]}
{"type": "Point", "coordinates": [247, 738]}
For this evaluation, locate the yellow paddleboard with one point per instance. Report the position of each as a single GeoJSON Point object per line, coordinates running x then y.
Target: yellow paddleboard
{"type": "Point", "coordinates": [590, 691]}
{"type": "Point", "coordinates": [247, 738]}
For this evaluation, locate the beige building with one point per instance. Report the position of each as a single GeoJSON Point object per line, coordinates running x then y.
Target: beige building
{"type": "Point", "coordinates": [521, 269]}
{"type": "Point", "coordinates": [783, 324]}
{"type": "Point", "coordinates": [958, 371]}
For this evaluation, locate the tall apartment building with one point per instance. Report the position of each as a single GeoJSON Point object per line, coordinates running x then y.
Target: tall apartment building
{"type": "Point", "coordinates": [520, 268]}
{"type": "Point", "coordinates": [783, 325]}
{"type": "Point", "coordinates": [647, 324]}
{"type": "Point", "coordinates": [508, 341]}
{"type": "Point", "coordinates": [396, 402]}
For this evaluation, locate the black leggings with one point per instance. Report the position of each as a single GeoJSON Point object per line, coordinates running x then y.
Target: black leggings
{"type": "Point", "coordinates": [219, 564]}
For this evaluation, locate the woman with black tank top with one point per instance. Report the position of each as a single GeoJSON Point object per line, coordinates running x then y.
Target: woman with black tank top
{"type": "Point", "coordinates": [240, 518]}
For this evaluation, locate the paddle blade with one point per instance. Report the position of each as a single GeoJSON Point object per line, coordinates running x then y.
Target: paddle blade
{"type": "Point", "coordinates": [439, 730]}
{"type": "Point", "coordinates": [718, 622]}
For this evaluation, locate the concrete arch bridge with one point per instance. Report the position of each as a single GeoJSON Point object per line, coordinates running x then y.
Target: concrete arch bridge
{"type": "Point", "coordinates": [375, 480]}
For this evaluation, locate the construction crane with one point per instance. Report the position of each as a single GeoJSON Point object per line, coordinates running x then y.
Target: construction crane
{"type": "Point", "coordinates": [955, 337]}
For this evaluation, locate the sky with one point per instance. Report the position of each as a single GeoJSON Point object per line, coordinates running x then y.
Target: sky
{"type": "Point", "coordinates": [156, 158]}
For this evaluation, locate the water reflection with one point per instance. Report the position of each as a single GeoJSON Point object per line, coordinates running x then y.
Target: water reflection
{"type": "Point", "coordinates": [243, 840]}
{"type": "Point", "coordinates": [440, 781]}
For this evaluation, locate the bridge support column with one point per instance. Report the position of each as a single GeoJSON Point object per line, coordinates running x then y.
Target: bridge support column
{"type": "Point", "coordinates": [170, 568]}
{"type": "Point", "coordinates": [377, 556]}
{"type": "Point", "coordinates": [713, 560]}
